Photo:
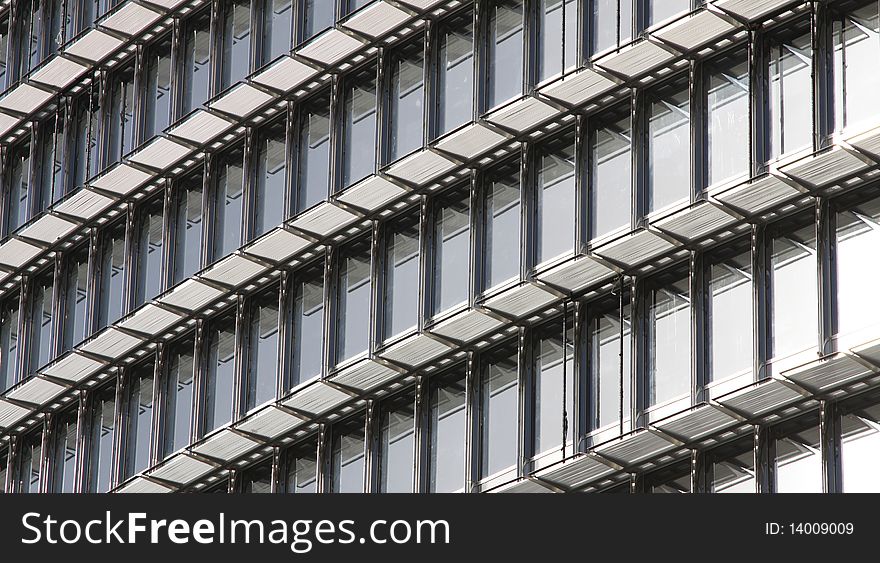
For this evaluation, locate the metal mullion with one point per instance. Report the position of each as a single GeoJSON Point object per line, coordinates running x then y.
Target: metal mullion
{"type": "Point", "coordinates": [242, 314]}
{"type": "Point", "coordinates": [372, 430]}
{"type": "Point", "coordinates": [582, 387]}
{"type": "Point", "coordinates": [35, 156]}
{"type": "Point", "coordinates": [581, 150]}
{"type": "Point", "coordinates": [426, 241]}
{"type": "Point", "coordinates": [138, 99]}
{"type": "Point", "coordinates": [285, 332]}
{"type": "Point", "coordinates": [331, 268]}
{"type": "Point", "coordinates": [176, 70]}
{"type": "Point", "coordinates": [826, 270]}
{"type": "Point", "coordinates": [291, 129]}
{"type": "Point", "coordinates": [480, 75]}
{"type": "Point", "coordinates": [160, 377]}
{"type": "Point", "coordinates": [45, 446]}
{"type": "Point", "coordinates": [530, 45]}
{"type": "Point", "coordinates": [383, 107]}
{"type": "Point", "coordinates": [759, 111]}
{"type": "Point", "coordinates": [215, 40]}
{"type": "Point", "coordinates": [208, 193]}
{"type": "Point", "coordinates": [527, 209]}
{"type": "Point", "coordinates": [378, 258]}
{"type": "Point", "coordinates": [698, 131]}
{"type": "Point", "coordinates": [823, 78]}
{"type": "Point", "coordinates": [5, 195]}
{"type": "Point", "coordinates": [526, 394]}
{"type": "Point", "coordinates": [120, 416]}
{"type": "Point", "coordinates": [198, 406]}
{"type": "Point", "coordinates": [477, 210]}
{"type": "Point", "coordinates": [830, 446]}
{"type": "Point", "coordinates": [638, 347]}
{"type": "Point", "coordinates": [324, 452]}
{"type": "Point", "coordinates": [701, 469]}
{"type": "Point", "coordinates": [336, 131]}
{"type": "Point", "coordinates": [429, 78]}
{"type": "Point", "coordinates": [639, 11]}
{"type": "Point", "coordinates": [422, 437]}
{"type": "Point", "coordinates": [249, 172]}
{"type": "Point", "coordinates": [12, 463]}
{"type": "Point", "coordinates": [57, 307]}
{"type": "Point", "coordinates": [131, 260]}
{"type": "Point", "coordinates": [257, 32]}
{"type": "Point", "coordinates": [699, 344]}
{"type": "Point", "coordinates": [760, 304]}
{"type": "Point", "coordinates": [93, 282]}
{"type": "Point", "coordinates": [168, 238]}
{"type": "Point", "coordinates": [102, 135]}
{"type": "Point", "coordinates": [639, 184]}
{"type": "Point", "coordinates": [79, 471]}
{"type": "Point", "coordinates": [23, 328]}
{"type": "Point", "coordinates": [276, 473]}
{"type": "Point", "coordinates": [473, 424]}
{"type": "Point", "coordinates": [764, 452]}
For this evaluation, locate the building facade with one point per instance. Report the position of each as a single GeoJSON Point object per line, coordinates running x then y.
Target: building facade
{"type": "Point", "coordinates": [439, 246]}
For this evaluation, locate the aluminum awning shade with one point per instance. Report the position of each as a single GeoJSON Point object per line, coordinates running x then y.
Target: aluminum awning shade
{"type": "Point", "coordinates": [48, 229]}
{"type": "Point", "coordinates": [466, 326]}
{"type": "Point", "coordinates": [277, 245]}
{"type": "Point", "coordinates": [869, 351]}
{"type": "Point", "coordinates": [577, 472]}
{"type": "Point", "coordinates": [420, 168]}
{"type": "Point", "coordinates": [696, 222]}
{"type": "Point", "coordinates": [130, 19]}
{"type": "Point", "coordinates": [868, 142]}
{"type": "Point", "coordinates": [233, 271]}
{"type": "Point", "coordinates": [316, 399]}
{"type": "Point", "coordinates": [372, 193]}
{"type": "Point", "coordinates": [324, 219]}
{"type": "Point", "coordinates": [421, 5]}
{"type": "Point", "coordinates": [757, 196]}
{"type": "Point", "coordinates": [470, 141]}
{"type": "Point", "coordinates": [416, 350]}
{"type": "Point", "coordinates": [7, 122]}
{"type": "Point", "coordinates": [225, 445]}
{"type": "Point", "coordinates": [241, 100]}
{"type": "Point", "coordinates": [191, 295]}
{"type": "Point", "coordinates": [24, 98]}
{"type": "Point", "coordinates": [752, 9]}
{"type": "Point", "coordinates": [94, 46]}
{"type": "Point", "coordinates": [523, 115]}
{"type": "Point", "coordinates": [182, 469]}
{"type": "Point", "coordinates": [285, 74]}
{"type": "Point", "coordinates": [59, 73]}
{"type": "Point", "coordinates": [636, 59]}
{"type": "Point", "coordinates": [73, 367]}
{"type": "Point", "coordinates": [10, 413]}
{"type": "Point", "coordinates": [521, 300]}
{"type": "Point", "coordinates": [636, 448]}
{"type": "Point", "coordinates": [16, 253]}
{"type": "Point", "coordinates": [829, 373]}
{"type": "Point", "coordinates": [376, 20]}
{"type": "Point", "coordinates": [165, 4]}
{"type": "Point", "coordinates": [143, 485]}
{"type": "Point", "coordinates": [635, 248]}
{"type": "Point", "coordinates": [330, 47]}
{"type": "Point", "coordinates": [160, 153]}
{"type": "Point", "coordinates": [111, 343]}
{"type": "Point", "coordinates": [695, 30]}
{"type": "Point", "coordinates": [760, 398]}
{"type": "Point", "coordinates": [36, 391]}
{"type": "Point", "coordinates": [151, 320]}
{"type": "Point", "coordinates": [270, 423]}
{"type": "Point", "coordinates": [122, 179]}
{"type": "Point", "coordinates": [577, 88]}
{"type": "Point", "coordinates": [523, 486]}
{"type": "Point", "coordinates": [365, 375]}
{"type": "Point", "coordinates": [575, 275]}
{"type": "Point", "coordinates": [200, 127]}
{"type": "Point", "coordinates": [84, 204]}
{"type": "Point", "coordinates": [696, 423]}
{"type": "Point", "coordinates": [823, 168]}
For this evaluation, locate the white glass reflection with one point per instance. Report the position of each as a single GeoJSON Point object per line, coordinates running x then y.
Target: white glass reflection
{"type": "Point", "coordinates": [347, 463]}
{"type": "Point", "coordinates": [794, 294]}
{"type": "Point", "coordinates": [502, 233]}
{"type": "Point", "coordinates": [669, 151]}
{"type": "Point", "coordinates": [397, 450]}
{"type": "Point", "coordinates": [554, 391]}
{"type": "Point", "coordinates": [353, 306]}
{"type": "Point", "coordinates": [730, 317]}
{"type": "Point", "coordinates": [455, 100]}
{"type": "Point", "coordinates": [448, 430]}
{"type": "Point", "coordinates": [505, 53]}
{"type": "Point", "coordinates": [402, 278]}
{"type": "Point", "coordinates": [734, 475]}
{"type": "Point", "coordinates": [669, 347]}
{"type": "Point", "coordinates": [558, 41]}
{"type": "Point", "coordinates": [860, 451]}
{"type": "Point", "coordinates": [451, 253]}
{"type": "Point", "coordinates": [791, 93]}
{"type": "Point", "coordinates": [858, 237]}
{"type": "Point", "coordinates": [799, 463]}
{"type": "Point", "coordinates": [728, 115]}
{"type": "Point", "coordinates": [610, 179]}
{"type": "Point", "coordinates": [500, 414]}
{"type": "Point", "coordinates": [556, 204]}
{"type": "Point", "coordinates": [856, 80]}
{"type": "Point", "coordinates": [610, 350]}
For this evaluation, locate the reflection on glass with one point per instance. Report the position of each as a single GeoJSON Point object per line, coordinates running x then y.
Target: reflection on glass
{"type": "Point", "coordinates": [17, 192]}
{"type": "Point", "coordinates": [263, 351]}
{"type": "Point", "coordinates": [257, 480]}
{"type": "Point", "coordinates": [187, 249]}
{"type": "Point", "coordinates": [669, 151]}
{"type": "Point", "coordinates": [179, 397]}
{"type": "Point", "coordinates": [64, 457]}
{"type": "Point", "coordinates": [448, 430]}
{"type": "Point", "coordinates": [157, 104]}
{"type": "Point", "coordinates": [220, 376]}
{"type": "Point", "coordinates": [236, 43]}
{"type": "Point", "coordinates": [856, 80]}
{"type": "Point", "coordinates": [359, 131]}
{"type": "Point", "coordinates": [556, 206]}
{"type": "Point", "coordinates": [858, 237]}
{"type": "Point", "coordinates": [302, 470]}
{"type": "Point", "coordinates": [196, 64]}
{"type": "Point", "coordinates": [353, 305]}
{"type": "Point", "coordinates": [149, 258]}
{"type": "Point", "coordinates": [347, 462]}
{"type": "Point", "coordinates": [140, 421]}
{"type": "Point", "coordinates": [401, 300]}
{"type": "Point", "coordinates": [121, 117]}
{"type": "Point", "coordinates": [728, 115]}
{"type": "Point", "coordinates": [610, 368]}
{"type": "Point", "coordinates": [505, 52]}
{"type": "Point", "coordinates": [611, 24]}
{"type": "Point", "coordinates": [75, 300]}
{"type": "Point", "coordinates": [397, 450]}
{"type": "Point", "coordinates": [669, 344]}
{"type": "Point", "coordinates": [794, 294]}
{"type": "Point", "coordinates": [730, 317]}
{"type": "Point", "coordinates": [455, 96]}
{"type": "Point", "coordinates": [103, 425]}
{"type": "Point", "coordinates": [791, 93]}
{"type": "Point", "coordinates": [277, 30]}
{"type": "Point", "coordinates": [502, 234]}
{"type": "Point", "coordinates": [860, 451]}
{"type": "Point", "coordinates": [610, 178]}
{"type": "Point", "coordinates": [662, 10]}
{"type": "Point", "coordinates": [40, 346]}
{"type": "Point", "coordinates": [554, 390]}
{"type": "Point", "coordinates": [270, 182]}
{"type": "Point", "coordinates": [228, 206]}
{"type": "Point", "coordinates": [9, 343]}
{"type": "Point", "coordinates": [313, 177]}
{"type": "Point", "coordinates": [557, 32]}
{"type": "Point", "coordinates": [451, 252]}
{"type": "Point", "coordinates": [799, 463]}
{"type": "Point", "coordinates": [407, 104]}
{"type": "Point", "coordinates": [499, 401]}
{"type": "Point", "coordinates": [318, 15]}
{"type": "Point", "coordinates": [734, 475]}
{"type": "Point", "coordinates": [308, 328]}
{"type": "Point", "coordinates": [112, 281]}
{"type": "Point", "coordinates": [29, 461]}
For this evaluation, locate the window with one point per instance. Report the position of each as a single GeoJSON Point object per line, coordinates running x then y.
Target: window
{"type": "Point", "coordinates": [158, 113]}
{"type": "Point", "coordinates": [120, 118]}
{"type": "Point", "coordinates": [353, 302]}
{"type": "Point", "coordinates": [857, 240]}
{"type": "Point", "coordinates": [611, 24]}
{"type": "Point", "coordinates": [555, 388]}
{"type": "Point", "coordinates": [228, 205]}
{"type": "Point", "coordinates": [794, 297]}
{"type": "Point", "coordinates": [112, 277]}
{"type": "Point", "coordinates": [729, 309]}
{"type": "Point", "coordinates": [150, 278]}
{"type": "Point", "coordinates": [397, 447]}
{"type": "Point", "coordinates": [313, 177]}
{"type": "Point", "coordinates": [257, 479]}
{"type": "Point", "coordinates": [505, 51]}
{"type": "Point", "coordinates": [139, 422]}
{"type": "Point", "coordinates": [455, 80]}
{"type": "Point", "coordinates": [557, 37]}
{"type": "Point", "coordinates": [40, 347]}
{"type": "Point", "coordinates": [359, 129]}
{"type": "Point", "coordinates": [179, 397]}
{"type": "Point", "coordinates": [791, 96]}
{"type": "Point", "coordinates": [187, 225]}
{"type": "Point", "coordinates": [29, 32]}
{"type": "Point", "coordinates": [302, 469]}
{"type": "Point", "coordinates": [308, 326]}
{"type": "Point", "coordinates": [670, 480]}
{"type": "Point", "coordinates": [451, 251]}
{"type": "Point", "coordinates": [799, 462]}
{"type": "Point", "coordinates": [728, 118]}
{"type": "Point", "coordinates": [277, 28]}
{"type": "Point", "coordinates": [64, 458]}
{"type": "Point", "coordinates": [9, 342]}
{"type": "Point", "coordinates": [856, 50]}
{"type": "Point", "coordinates": [347, 459]}
{"type": "Point", "coordinates": [502, 226]}
{"type": "Point", "coordinates": [84, 145]}
{"type": "Point", "coordinates": [29, 463]}
{"type": "Point", "coordinates": [103, 425]}
{"type": "Point", "coordinates": [220, 376]}
{"type": "Point", "coordinates": [499, 411]}
{"type": "Point", "coordinates": [448, 431]}
{"type": "Point", "coordinates": [317, 15]}
{"type": "Point", "coordinates": [4, 52]}
{"type": "Point", "coordinates": [196, 64]}
{"type": "Point", "coordinates": [352, 5]}
{"type": "Point", "coordinates": [669, 147]}
{"type": "Point", "coordinates": [263, 350]}
{"type": "Point", "coordinates": [75, 299]}
{"type": "Point", "coordinates": [18, 172]}
{"type": "Point", "coordinates": [49, 169]}
{"type": "Point", "coordinates": [401, 298]}
{"type": "Point", "coordinates": [610, 373]}
{"type": "Point", "coordinates": [669, 342]}
{"type": "Point", "coordinates": [4, 462]}
{"type": "Point", "coordinates": [235, 62]}
{"type": "Point", "coordinates": [556, 200]}
{"type": "Point", "coordinates": [610, 177]}
{"type": "Point", "coordinates": [407, 115]}
{"type": "Point", "coordinates": [271, 180]}
{"type": "Point", "coordinates": [734, 470]}
{"type": "Point", "coordinates": [860, 450]}
{"type": "Point", "coordinates": [662, 10]}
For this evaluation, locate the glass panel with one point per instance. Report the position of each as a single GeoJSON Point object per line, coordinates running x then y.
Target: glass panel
{"type": "Point", "coordinates": [728, 116]}
{"type": "Point", "coordinates": [558, 37]}
{"type": "Point", "coordinates": [157, 106]}
{"type": "Point", "coordinates": [179, 397]}
{"type": "Point", "coordinates": [661, 10]}
{"type": "Point", "coordinates": [149, 258]}
{"type": "Point", "coordinates": [611, 179]}
{"type": "Point", "coordinates": [187, 249]}
{"type": "Point", "coordinates": [313, 179]}
{"type": "Point", "coordinates": [302, 470]}
{"type": "Point", "coordinates": [271, 182]}
{"type": "Point", "coordinates": [499, 399]}
{"type": "Point", "coordinates": [352, 5]}
{"type": "Point", "coordinates": [611, 24]}
{"type": "Point", "coordinates": [455, 92]}
{"type": "Point", "coordinates": [791, 96]}
{"type": "Point", "coordinates": [9, 343]}
{"type": "Point", "coordinates": [236, 60]}
{"type": "Point", "coordinates": [347, 469]}
{"type": "Point", "coordinates": [794, 294]}
{"type": "Point", "coordinates": [121, 118]}
{"type": "Point", "coordinates": [554, 390]}
{"type": "Point", "coordinates": [860, 451]}
{"type": "Point", "coordinates": [505, 51]}
{"type": "Point", "coordinates": [101, 450]}
{"type": "Point", "coordinates": [556, 204]}
{"type": "Point", "coordinates": [402, 277]}
{"type": "Point", "coordinates": [228, 206]}
{"type": "Point", "coordinates": [65, 458]}
{"type": "Point", "coordinates": [799, 463]}
{"type": "Point", "coordinates": [29, 34]}
{"type": "Point", "coordinates": [4, 51]}
{"type": "Point", "coordinates": [669, 343]}
{"type": "Point", "coordinates": [75, 300]}
{"type": "Point", "coordinates": [84, 145]}
{"type": "Point", "coordinates": [46, 168]}
{"type": "Point", "coordinates": [451, 264]}
{"type": "Point", "coordinates": [308, 329]}
{"type": "Point", "coordinates": [40, 346]}
{"type": "Point", "coordinates": [353, 306]}
{"type": "Point", "coordinates": [407, 104]}
{"type": "Point", "coordinates": [220, 377]}
{"type": "Point", "coordinates": [318, 15]}
{"type": "Point", "coordinates": [4, 461]}
{"type": "Point", "coordinates": [263, 351]}
{"type": "Point", "coordinates": [140, 421]}
{"type": "Point", "coordinates": [257, 480]}
{"type": "Point", "coordinates": [856, 81]}
{"type": "Point", "coordinates": [196, 64]}
{"type": "Point", "coordinates": [277, 31]}
{"type": "Point", "coordinates": [19, 171]}
{"type": "Point", "coordinates": [448, 431]}
{"type": "Point", "coordinates": [112, 305]}
{"type": "Point", "coordinates": [730, 317]}
{"type": "Point", "coordinates": [669, 151]}
{"type": "Point", "coordinates": [858, 237]}
{"type": "Point", "coordinates": [610, 368]}
{"type": "Point", "coordinates": [29, 464]}
{"type": "Point", "coordinates": [734, 475]}
{"type": "Point", "coordinates": [397, 449]}
{"type": "Point", "coordinates": [359, 130]}
{"type": "Point", "coordinates": [502, 236]}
